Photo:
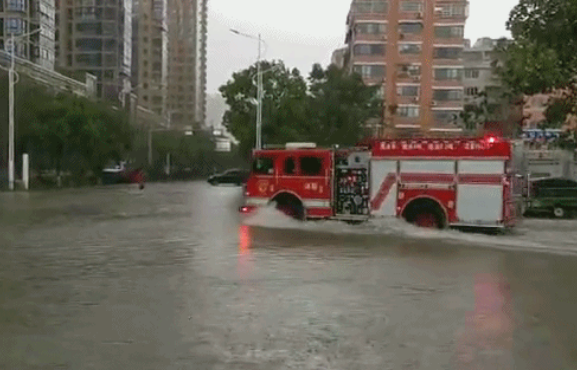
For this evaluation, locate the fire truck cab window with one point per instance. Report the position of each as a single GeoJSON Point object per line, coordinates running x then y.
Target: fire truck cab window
{"type": "Point", "coordinates": [263, 166]}
{"type": "Point", "coordinates": [311, 166]}
{"type": "Point", "coordinates": [289, 166]}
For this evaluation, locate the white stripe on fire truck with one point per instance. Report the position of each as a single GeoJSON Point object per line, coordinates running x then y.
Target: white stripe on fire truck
{"type": "Point", "coordinates": [263, 201]}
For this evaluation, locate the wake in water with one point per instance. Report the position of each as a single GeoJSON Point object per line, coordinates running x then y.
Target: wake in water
{"type": "Point", "coordinates": [559, 237]}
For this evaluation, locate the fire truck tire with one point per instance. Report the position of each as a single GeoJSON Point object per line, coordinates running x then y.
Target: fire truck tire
{"type": "Point", "coordinates": [559, 212]}
{"type": "Point", "coordinates": [290, 205]}
{"type": "Point", "coordinates": [425, 213]}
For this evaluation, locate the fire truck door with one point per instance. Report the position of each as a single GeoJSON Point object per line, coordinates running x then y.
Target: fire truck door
{"type": "Point", "coordinates": [480, 191]}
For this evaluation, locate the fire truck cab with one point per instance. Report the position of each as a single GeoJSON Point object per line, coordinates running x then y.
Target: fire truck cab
{"type": "Point", "coordinates": [432, 182]}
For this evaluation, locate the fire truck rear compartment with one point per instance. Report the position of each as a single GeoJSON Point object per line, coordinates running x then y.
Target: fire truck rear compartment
{"type": "Point", "coordinates": [425, 212]}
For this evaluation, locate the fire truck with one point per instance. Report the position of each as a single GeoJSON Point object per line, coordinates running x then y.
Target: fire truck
{"type": "Point", "coordinates": [430, 182]}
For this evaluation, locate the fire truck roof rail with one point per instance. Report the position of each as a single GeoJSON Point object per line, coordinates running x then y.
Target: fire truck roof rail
{"type": "Point", "coordinates": [296, 145]}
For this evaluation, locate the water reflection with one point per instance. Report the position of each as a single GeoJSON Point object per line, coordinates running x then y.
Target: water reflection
{"type": "Point", "coordinates": [244, 250]}
{"type": "Point", "coordinates": [489, 327]}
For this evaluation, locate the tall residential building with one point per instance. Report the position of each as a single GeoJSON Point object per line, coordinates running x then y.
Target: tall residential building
{"type": "Point", "coordinates": [338, 57]}
{"type": "Point", "coordinates": [414, 49]}
{"type": "Point", "coordinates": [95, 36]}
{"type": "Point", "coordinates": [20, 17]}
{"type": "Point", "coordinates": [150, 54]}
{"type": "Point", "coordinates": [479, 74]}
{"type": "Point", "coordinates": [187, 30]}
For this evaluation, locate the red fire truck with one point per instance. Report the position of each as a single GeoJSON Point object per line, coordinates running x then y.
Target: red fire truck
{"type": "Point", "coordinates": [431, 182]}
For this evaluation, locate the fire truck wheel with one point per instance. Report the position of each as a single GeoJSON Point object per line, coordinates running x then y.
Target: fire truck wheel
{"type": "Point", "coordinates": [559, 212]}
{"type": "Point", "coordinates": [425, 213]}
{"type": "Point", "coordinates": [290, 205]}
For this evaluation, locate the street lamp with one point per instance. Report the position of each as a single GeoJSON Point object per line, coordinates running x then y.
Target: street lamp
{"type": "Point", "coordinates": [11, 83]}
{"type": "Point", "coordinates": [259, 87]}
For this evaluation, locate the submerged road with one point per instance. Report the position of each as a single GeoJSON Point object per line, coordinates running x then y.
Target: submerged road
{"type": "Point", "coordinates": [173, 278]}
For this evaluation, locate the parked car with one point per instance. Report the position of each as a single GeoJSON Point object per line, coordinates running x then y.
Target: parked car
{"type": "Point", "coordinates": [552, 196]}
{"type": "Point", "coordinates": [231, 176]}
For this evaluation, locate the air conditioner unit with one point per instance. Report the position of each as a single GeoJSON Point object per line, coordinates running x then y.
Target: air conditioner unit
{"type": "Point", "coordinates": [434, 103]}
{"type": "Point", "coordinates": [417, 78]}
{"type": "Point", "coordinates": [416, 99]}
{"type": "Point", "coordinates": [419, 15]}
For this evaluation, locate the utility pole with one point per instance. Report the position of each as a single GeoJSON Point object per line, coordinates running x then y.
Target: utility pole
{"type": "Point", "coordinates": [11, 116]}
{"type": "Point", "coordinates": [259, 88]}
{"type": "Point", "coordinates": [259, 108]}
{"type": "Point", "coordinates": [11, 83]}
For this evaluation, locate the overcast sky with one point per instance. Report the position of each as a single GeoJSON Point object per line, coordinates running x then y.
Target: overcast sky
{"type": "Point", "coordinates": [303, 32]}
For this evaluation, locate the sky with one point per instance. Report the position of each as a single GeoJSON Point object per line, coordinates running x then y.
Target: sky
{"type": "Point", "coordinates": [304, 32]}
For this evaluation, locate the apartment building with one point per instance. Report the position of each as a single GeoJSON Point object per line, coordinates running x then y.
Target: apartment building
{"type": "Point", "coordinates": [21, 17]}
{"type": "Point", "coordinates": [150, 54]}
{"type": "Point", "coordinates": [338, 57]}
{"type": "Point", "coordinates": [95, 36]}
{"type": "Point", "coordinates": [414, 50]}
{"type": "Point", "coordinates": [187, 35]}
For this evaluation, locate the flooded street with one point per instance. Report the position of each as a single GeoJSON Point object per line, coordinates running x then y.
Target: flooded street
{"type": "Point", "coordinates": [172, 277]}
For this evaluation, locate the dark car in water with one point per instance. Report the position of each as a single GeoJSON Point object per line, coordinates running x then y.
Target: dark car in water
{"type": "Point", "coordinates": [231, 176]}
{"type": "Point", "coordinates": [553, 196]}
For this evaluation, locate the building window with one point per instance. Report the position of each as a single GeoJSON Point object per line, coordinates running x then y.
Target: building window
{"type": "Point", "coordinates": [15, 5]}
{"type": "Point", "coordinates": [408, 111]}
{"type": "Point", "coordinates": [449, 32]}
{"type": "Point", "coordinates": [472, 73]}
{"type": "Point", "coordinates": [411, 6]}
{"type": "Point", "coordinates": [471, 91]}
{"type": "Point", "coordinates": [93, 60]}
{"type": "Point", "coordinates": [451, 10]}
{"type": "Point", "coordinates": [409, 28]}
{"type": "Point", "coordinates": [369, 49]}
{"type": "Point", "coordinates": [446, 117]}
{"type": "Point", "coordinates": [13, 25]}
{"type": "Point", "coordinates": [409, 70]}
{"type": "Point", "coordinates": [89, 44]}
{"type": "Point", "coordinates": [408, 91]}
{"type": "Point", "coordinates": [371, 28]}
{"type": "Point", "coordinates": [370, 70]}
{"type": "Point", "coordinates": [410, 48]}
{"type": "Point", "coordinates": [448, 74]}
{"type": "Point", "coordinates": [89, 28]}
{"type": "Point", "coordinates": [371, 7]}
{"type": "Point", "coordinates": [448, 94]}
{"type": "Point", "coordinates": [448, 53]}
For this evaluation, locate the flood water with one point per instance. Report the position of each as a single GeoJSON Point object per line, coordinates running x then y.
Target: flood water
{"type": "Point", "coordinates": [173, 277]}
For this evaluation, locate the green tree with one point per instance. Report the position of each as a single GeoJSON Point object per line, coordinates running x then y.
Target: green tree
{"type": "Point", "coordinates": [67, 132]}
{"type": "Point", "coordinates": [542, 57]}
{"type": "Point", "coordinates": [339, 106]}
{"type": "Point", "coordinates": [284, 101]}
{"type": "Point", "coordinates": [330, 110]}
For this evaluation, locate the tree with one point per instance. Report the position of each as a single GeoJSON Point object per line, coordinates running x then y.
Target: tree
{"type": "Point", "coordinates": [339, 106]}
{"type": "Point", "coordinates": [542, 57]}
{"type": "Point", "coordinates": [68, 132]}
{"type": "Point", "coordinates": [284, 101]}
{"type": "Point", "coordinates": [332, 109]}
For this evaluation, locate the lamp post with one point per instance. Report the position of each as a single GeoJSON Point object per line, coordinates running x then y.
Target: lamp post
{"type": "Point", "coordinates": [259, 88]}
{"type": "Point", "coordinates": [11, 83]}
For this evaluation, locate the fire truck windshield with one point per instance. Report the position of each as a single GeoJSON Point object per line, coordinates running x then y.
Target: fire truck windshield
{"type": "Point", "coordinates": [263, 165]}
